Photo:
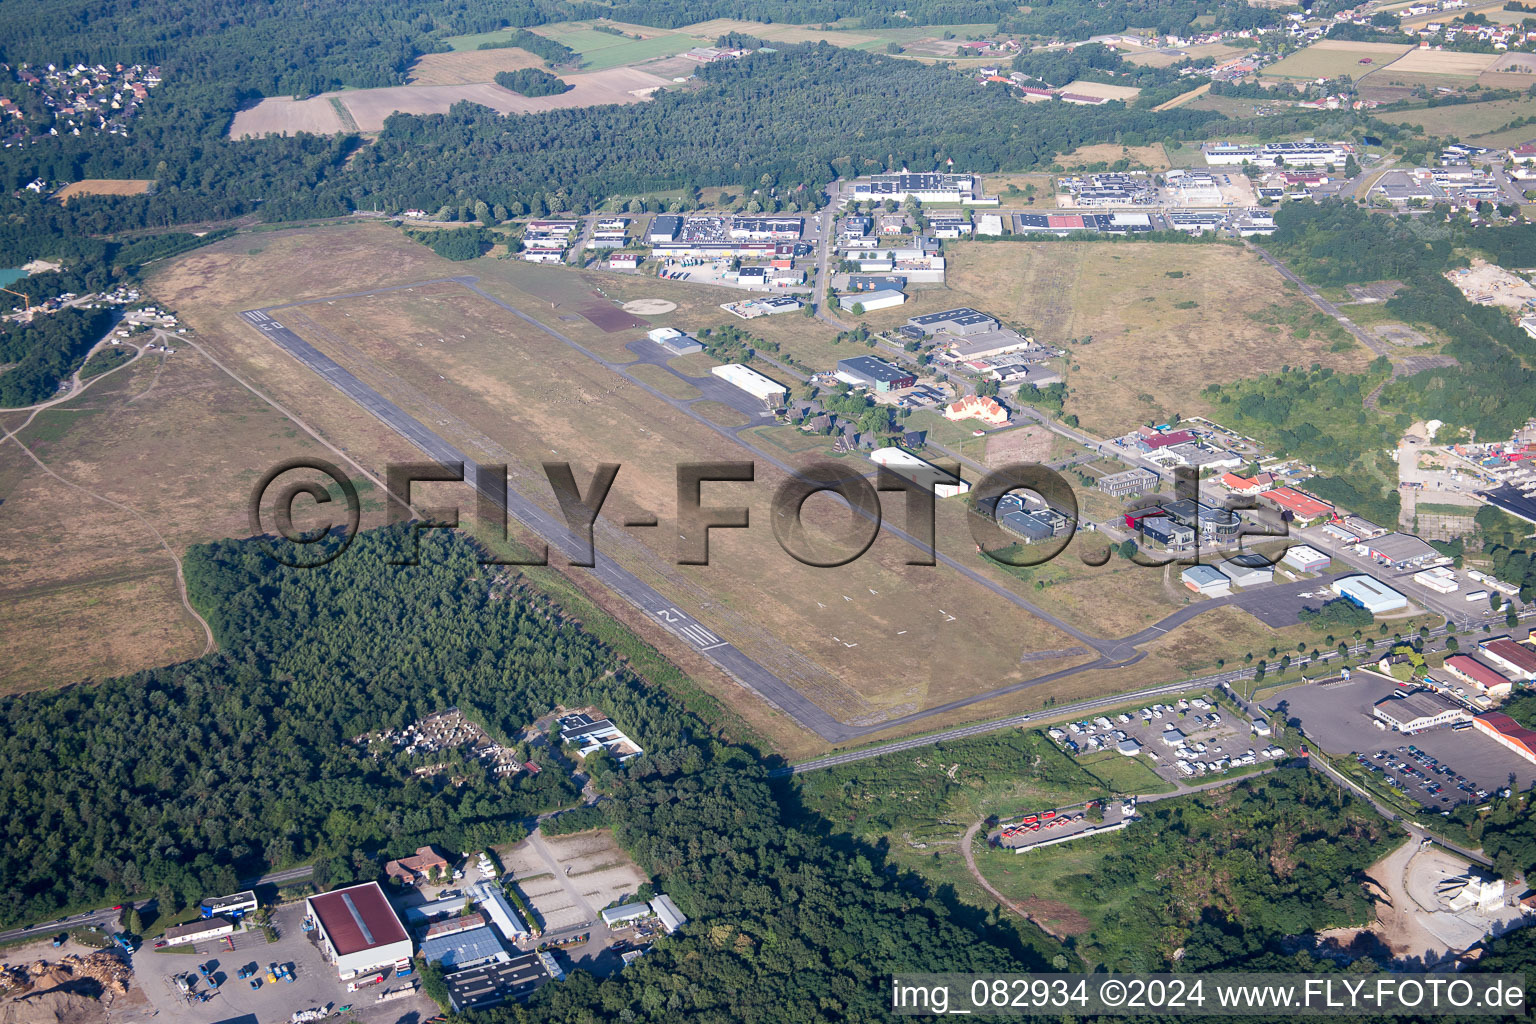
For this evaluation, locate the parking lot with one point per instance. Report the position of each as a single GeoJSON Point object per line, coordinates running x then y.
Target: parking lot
{"type": "Point", "coordinates": [1215, 739]}
{"type": "Point", "coordinates": [1338, 717]}
{"type": "Point", "coordinates": [315, 983]}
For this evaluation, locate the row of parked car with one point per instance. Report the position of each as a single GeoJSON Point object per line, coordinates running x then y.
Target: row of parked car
{"type": "Point", "coordinates": [1410, 767]}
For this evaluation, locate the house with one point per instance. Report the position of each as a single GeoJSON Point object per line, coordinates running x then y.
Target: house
{"type": "Point", "coordinates": [418, 868]}
{"type": "Point", "coordinates": [1245, 484]}
{"type": "Point", "coordinates": [974, 407]}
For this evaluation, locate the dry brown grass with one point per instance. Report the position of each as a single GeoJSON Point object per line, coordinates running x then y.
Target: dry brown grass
{"type": "Point", "coordinates": [1152, 157]}
{"type": "Point", "coordinates": [1442, 62]}
{"type": "Point", "coordinates": [1145, 352]}
{"type": "Point", "coordinates": [104, 187]}
{"type": "Point", "coordinates": [464, 67]}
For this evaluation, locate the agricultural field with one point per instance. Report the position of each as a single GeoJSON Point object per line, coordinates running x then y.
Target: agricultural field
{"type": "Point", "coordinates": [1331, 58]}
{"type": "Point", "coordinates": [104, 187]}
{"type": "Point", "coordinates": [1126, 299]}
{"type": "Point", "coordinates": [600, 51]}
{"type": "Point", "coordinates": [368, 108]}
{"type": "Point", "coordinates": [1465, 120]}
{"type": "Point", "coordinates": [1447, 63]}
{"type": "Point", "coordinates": [468, 67]}
{"type": "Point", "coordinates": [1108, 92]}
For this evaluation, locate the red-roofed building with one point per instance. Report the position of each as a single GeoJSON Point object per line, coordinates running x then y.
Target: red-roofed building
{"type": "Point", "coordinates": [1303, 507]}
{"type": "Point", "coordinates": [1242, 484]}
{"type": "Point", "coordinates": [1507, 732]}
{"type": "Point", "coordinates": [1152, 442]}
{"type": "Point", "coordinates": [1515, 660]}
{"type": "Point", "coordinates": [359, 931]}
{"type": "Point", "coordinates": [1481, 677]}
{"type": "Point", "coordinates": [417, 868]}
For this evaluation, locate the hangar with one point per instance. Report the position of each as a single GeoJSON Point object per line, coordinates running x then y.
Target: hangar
{"type": "Point", "coordinates": [753, 383]}
{"type": "Point", "coordinates": [1375, 597]}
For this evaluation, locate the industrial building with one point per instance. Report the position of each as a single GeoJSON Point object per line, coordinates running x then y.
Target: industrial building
{"type": "Point", "coordinates": [1399, 550]}
{"type": "Point", "coordinates": [358, 930]}
{"type": "Point", "coordinates": [880, 298]}
{"type": "Point", "coordinates": [1303, 508]}
{"type": "Point", "coordinates": [874, 373]}
{"type": "Point", "coordinates": [925, 188]}
{"type": "Point", "coordinates": [1507, 733]}
{"type": "Point", "coordinates": [757, 228]}
{"type": "Point", "coordinates": [1130, 481]}
{"type": "Point", "coordinates": [875, 283]}
{"type": "Point", "coordinates": [961, 321]}
{"type": "Point", "coordinates": [1372, 595]}
{"type": "Point", "coordinates": [590, 733]}
{"type": "Point", "coordinates": [1516, 660]}
{"type": "Point", "coordinates": [462, 942]}
{"type": "Point", "coordinates": [671, 918]}
{"type": "Point", "coordinates": [1248, 570]}
{"type": "Point", "coordinates": [766, 389]}
{"type": "Point", "coordinates": [1204, 579]}
{"type": "Point", "coordinates": [1306, 559]}
{"type": "Point", "coordinates": [493, 901]}
{"type": "Point", "coordinates": [493, 984]}
{"type": "Point", "coordinates": [1034, 526]}
{"type": "Point", "coordinates": [664, 228]}
{"type": "Point", "coordinates": [1420, 710]}
{"type": "Point", "coordinates": [1209, 520]}
{"type": "Point", "coordinates": [674, 341]}
{"type": "Point", "coordinates": [945, 484]}
{"type": "Point", "coordinates": [199, 931]}
{"type": "Point", "coordinates": [1483, 679]}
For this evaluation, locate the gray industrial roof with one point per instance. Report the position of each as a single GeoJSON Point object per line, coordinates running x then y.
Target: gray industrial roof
{"type": "Point", "coordinates": [464, 947]}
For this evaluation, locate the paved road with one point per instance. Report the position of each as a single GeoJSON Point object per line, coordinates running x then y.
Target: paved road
{"type": "Point", "coordinates": [105, 917]}
{"type": "Point", "coordinates": [279, 877]}
{"type": "Point", "coordinates": [542, 524]}
{"type": "Point", "coordinates": [1112, 653]}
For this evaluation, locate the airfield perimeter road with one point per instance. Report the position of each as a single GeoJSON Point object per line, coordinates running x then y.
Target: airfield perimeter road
{"type": "Point", "coordinates": [1112, 653]}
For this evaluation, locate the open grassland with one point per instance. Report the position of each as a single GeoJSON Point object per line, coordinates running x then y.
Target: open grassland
{"type": "Point", "coordinates": [1465, 120]}
{"type": "Point", "coordinates": [469, 66]}
{"type": "Point", "coordinates": [88, 590]}
{"type": "Point", "coordinates": [601, 50]}
{"type": "Point", "coordinates": [1152, 157]}
{"type": "Point", "coordinates": [104, 187]}
{"type": "Point", "coordinates": [497, 388]}
{"type": "Point", "coordinates": [1330, 58]}
{"type": "Point", "coordinates": [1152, 333]}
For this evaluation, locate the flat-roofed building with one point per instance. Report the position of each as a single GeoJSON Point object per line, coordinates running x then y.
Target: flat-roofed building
{"type": "Point", "coordinates": [358, 930]}
{"type": "Point", "coordinates": [1420, 710]}
{"type": "Point", "coordinates": [919, 470]}
{"type": "Point", "coordinates": [493, 984]}
{"type": "Point", "coordinates": [880, 298]}
{"type": "Point", "coordinates": [1248, 570]}
{"type": "Point", "coordinates": [1130, 481]}
{"type": "Point", "coordinates": [1306, 558]}
{"type": "Point", "coordinates": [962, 321]}
{"type": "Point", "coordinates": [1400, 550]}
{"type": "Point", "coordinates": [664, 227]}
{"type": "Point", "coordinates": [874, 373]}
{"type": "Point", "coordinates": [1372, 595]}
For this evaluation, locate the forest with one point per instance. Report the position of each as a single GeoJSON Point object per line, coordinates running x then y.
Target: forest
{"type": "Point", "coordinates": [532, 82]}
{"type": "Point", "coordinates": [46, 351]}
{"type": "Point", "coordinates": [1493, 386]}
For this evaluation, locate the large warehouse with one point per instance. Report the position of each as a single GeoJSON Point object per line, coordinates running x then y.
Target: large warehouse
{"type": "Point", "coordinates": [874, 373]}
{"type": "Point", "coordinates": [752, 382]}
{"type": "Point", "coordinates": [358, 930]}
{"type": "Point", "coordinates": [920, 470]}
{"type": "Point", "coordinates": [1369, 594]}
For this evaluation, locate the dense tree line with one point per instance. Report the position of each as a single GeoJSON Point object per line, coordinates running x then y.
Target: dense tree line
{"type": "Point", "coordinates": [457, 244]}
{"type": "Point", "coordinates": [540, 46]}
{"type": "Point", "coordinates": [1493, 388]}
{"type": "Point", "coordinates": [532, 82]}
{"type": "Point", "coordinates": [1083, 19]}
{"type": "Point", "coordinates": [46, 351]}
